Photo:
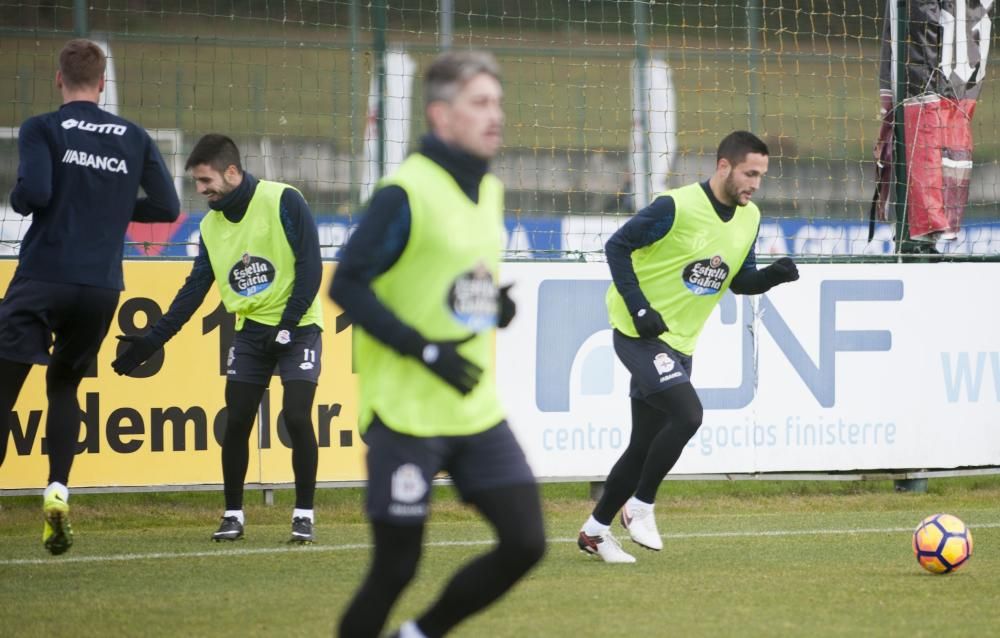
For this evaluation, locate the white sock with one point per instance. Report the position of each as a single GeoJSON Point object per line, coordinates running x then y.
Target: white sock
{"type": "Point", "coordinates": [635, 504]}
{"type": "Point", "coordinates": [410, 630]}
{"type": "Point", "coordinates": [237, 513]}
{"type": "Point", "coordinates": [58, 489]}
{"type": "Point", "coordinates": [297, 513]}
{"type": "Point", "coordinates": [593, 528]}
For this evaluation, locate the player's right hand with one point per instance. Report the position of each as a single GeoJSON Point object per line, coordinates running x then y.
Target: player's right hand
{"type": "Point", "coordinates": [133, 352]}
{"type": "Point", "coordinates": [443, 359]}
{"type": "Point", "coordinates": [279, 341]}
{"type": "Point", "coordinates": [648, 323]}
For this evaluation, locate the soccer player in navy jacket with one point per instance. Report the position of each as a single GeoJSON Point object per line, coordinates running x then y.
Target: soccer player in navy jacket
{"type": "Point", "coordinates": [78, 178]}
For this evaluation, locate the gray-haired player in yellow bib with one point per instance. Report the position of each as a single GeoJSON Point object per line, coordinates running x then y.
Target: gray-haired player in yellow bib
{"type": "Point", "coordinates": [418, 279]}
{"type": "Point", "coordinates": [670, 265]}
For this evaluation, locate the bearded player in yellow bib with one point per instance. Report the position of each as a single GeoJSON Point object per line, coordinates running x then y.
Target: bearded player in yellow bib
{"type": "Point", "coordinates": [260, 247]}
{"type": "Point", "coordinates": [670, 265]}
{"type": "Point", "coordinates": [418, 280]}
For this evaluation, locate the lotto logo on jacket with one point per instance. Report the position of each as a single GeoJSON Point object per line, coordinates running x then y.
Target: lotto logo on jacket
{"type": "Point", "coordinates": [251, 275]}
{"type": "Point", "coordinates": [107, 129]}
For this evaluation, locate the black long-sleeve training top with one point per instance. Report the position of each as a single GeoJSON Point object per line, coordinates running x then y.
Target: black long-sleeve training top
{"type": "Point", "coordinates": [78, 176]}
{"type": "Point", "coordinates": [300, 230]}
{"type": "Point", "coordinates": [652, 224]}
{"type": "Point", "coordinates": [380, 239]}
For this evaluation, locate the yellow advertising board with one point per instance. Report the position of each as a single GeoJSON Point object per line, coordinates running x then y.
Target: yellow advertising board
{"type": "Point", "coordinates": [166, 427]}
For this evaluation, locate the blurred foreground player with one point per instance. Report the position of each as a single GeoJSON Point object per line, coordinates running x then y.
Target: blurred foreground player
{"type": "Point", "coordinates": [418, 279]}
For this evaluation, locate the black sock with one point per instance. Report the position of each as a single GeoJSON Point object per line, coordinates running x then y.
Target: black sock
{"type": "Point", "coordinates": [394, 563]}
{"type": "Point", "coordinates": [682, 405]}
{"type": "Point", "coordinates": [12, 376]}
{"type": "Point", "coordinates": [62, 422]}
{"type": "Point", "coordinates": [516, 514]}
{"type": "Point", "coordinates": [662, 424]}
{"type": "Point", "coordinates": [297, 407]}
{"type": "Point", "coordinates": [647, 422]}
{"type": "Point", "coordinates": [242, 401]}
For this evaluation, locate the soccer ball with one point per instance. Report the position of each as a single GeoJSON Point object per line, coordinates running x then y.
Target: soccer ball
{"type": "Point", "coordinates": [942, 543]}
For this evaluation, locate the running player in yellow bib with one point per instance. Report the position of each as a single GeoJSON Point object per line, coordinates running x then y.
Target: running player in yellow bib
{"type": "Point", "coordinates": [670, 266]}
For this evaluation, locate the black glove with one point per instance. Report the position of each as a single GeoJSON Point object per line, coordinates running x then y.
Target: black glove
{"type": "Point", "coordinates": [648, 323]}
{"type": "Point", "coordinates": [781, 271]}
{"type": "Point", "coordinates": [137, 350]}
{"type": "Point", "coordinates": [280, 341]}
{"type": "Point", "coordinates": [443, 359]}
{"type": "Point", "coordinates": [507, 307]}
{"type": "Point", "coordinates": [18, 204]}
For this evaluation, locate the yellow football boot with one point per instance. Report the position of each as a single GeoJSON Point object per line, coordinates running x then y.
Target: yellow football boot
{"type": "Point", "coordinates": [57, 535]}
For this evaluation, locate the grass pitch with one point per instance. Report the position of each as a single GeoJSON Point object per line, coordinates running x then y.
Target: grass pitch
{"type": "Point", "coordinates": [740, 559]}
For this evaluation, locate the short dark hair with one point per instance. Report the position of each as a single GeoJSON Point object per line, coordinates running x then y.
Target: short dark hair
{"type": "Point", "coordinates": [451, 70]}
{"type": "Point", "coordinates": [82, 63]}
{"type": "Point", "coordinates": [737, 145]}
{"type": "Point", "coordinates": [216, 150]}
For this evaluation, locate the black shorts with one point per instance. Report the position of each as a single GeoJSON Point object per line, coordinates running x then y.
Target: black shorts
{"type": "Point", "coordinates": [654, 365]}
{"type": "Point", "coordinates": [249, 362]}
{"type": "Point", "coordinates": [401, 467]}
{"type": "Point", "coordinates": [70, 319]}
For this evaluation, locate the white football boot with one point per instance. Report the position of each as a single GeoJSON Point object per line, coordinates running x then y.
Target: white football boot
{"type": "Point", "coordinates": [604, 546]}
{"type": "Point", "coordinates": [641, 526]}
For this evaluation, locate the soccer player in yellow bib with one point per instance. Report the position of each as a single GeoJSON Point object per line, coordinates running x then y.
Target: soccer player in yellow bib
{"type": "Point", "coordinates": [260, 247]}
{"type": "Point", "coordinates": [418, 279]}
{"type": "Point", "coordinates": [670, 265]}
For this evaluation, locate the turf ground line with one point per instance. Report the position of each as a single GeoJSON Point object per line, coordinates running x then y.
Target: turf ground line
{"type": "Point", "coordinates": [52, 560]}
{"type": "Point", "coordinates": [810, 532]}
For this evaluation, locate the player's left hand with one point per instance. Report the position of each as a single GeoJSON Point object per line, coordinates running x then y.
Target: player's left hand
{"type": "Point", "coordinates": [507, 308]}
{"type": "Point", "coordinates": [649, 323]}
{"type": "Point", "coordinates": [443, 359]}
{"type": "Point", "coordinates": [138, 348]}
{"type": "Point", "coordinates": [280, 341]}
{"type": "Point", "coordinates": [782, 271]}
